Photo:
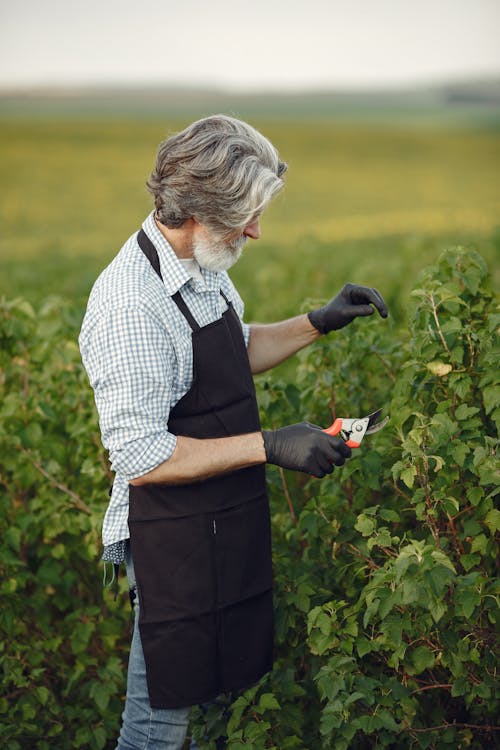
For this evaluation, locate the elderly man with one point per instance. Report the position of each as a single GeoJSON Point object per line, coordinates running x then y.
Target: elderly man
{"type": "Point", "coordinates": [171, 363]}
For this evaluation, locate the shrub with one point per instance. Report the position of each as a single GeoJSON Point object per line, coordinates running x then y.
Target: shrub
{"type": "Point", "coordinates": [385, 589]}
{"type": "Point", "coordinates": [62, 656]}
{"type": "Point", "coordinates": [386, 596]}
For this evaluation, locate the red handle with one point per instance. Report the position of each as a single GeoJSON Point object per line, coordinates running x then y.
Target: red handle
{"type": "Point", "coordinates": [335, 428]}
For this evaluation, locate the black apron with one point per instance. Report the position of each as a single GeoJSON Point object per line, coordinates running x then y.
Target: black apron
{"type": "Point", "coordinates": [202, 551]}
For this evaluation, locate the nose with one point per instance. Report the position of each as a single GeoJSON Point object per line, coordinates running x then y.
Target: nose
{"type": "Point", "coordinates": [252, 230]}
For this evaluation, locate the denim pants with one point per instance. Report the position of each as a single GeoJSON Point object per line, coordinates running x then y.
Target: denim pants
{"type": "Point", "coordinates": [143, 727]}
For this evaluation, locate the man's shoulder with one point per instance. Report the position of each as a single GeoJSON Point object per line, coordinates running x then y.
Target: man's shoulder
{"type": "Point", "coordinates": [128, 281]}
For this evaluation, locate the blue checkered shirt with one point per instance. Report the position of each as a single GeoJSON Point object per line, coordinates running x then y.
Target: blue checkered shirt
{"type": "Point", "coordinates": [136, 349]}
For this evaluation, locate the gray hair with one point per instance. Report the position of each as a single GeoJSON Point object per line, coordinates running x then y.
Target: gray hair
{"type": "Point", "coordinates": [219, 170]}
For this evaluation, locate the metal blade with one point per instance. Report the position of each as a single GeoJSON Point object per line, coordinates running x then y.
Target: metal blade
{"type": "Point", "coordinates": [373, 425]}
{"type": "Point", "coordinates": [373, 418]}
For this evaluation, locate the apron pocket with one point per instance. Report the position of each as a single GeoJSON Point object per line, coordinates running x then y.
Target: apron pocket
{"type": "Point", "coordinates": [243, 552]}
{"type": "Point", "coordinates": [246, 638]}
{"type": "Point", "coordinates": [182, 661]}
{"type": "Point", "coordinates": [174, 564]}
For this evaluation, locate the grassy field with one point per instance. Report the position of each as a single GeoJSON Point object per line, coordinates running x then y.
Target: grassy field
{"type": "Point", "coordinates": [367, 203]}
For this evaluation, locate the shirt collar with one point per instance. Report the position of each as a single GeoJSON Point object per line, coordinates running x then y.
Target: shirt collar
{"type": "Point", "coordinates": [172, 270]}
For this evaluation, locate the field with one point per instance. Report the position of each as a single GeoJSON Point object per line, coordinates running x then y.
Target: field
{"type": "Point", "coordinates": [369, 203]}
{"type": "Point", "coordinates": [385, 576]}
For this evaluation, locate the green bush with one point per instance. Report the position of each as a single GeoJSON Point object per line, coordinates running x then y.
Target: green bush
{"type": "Point", "coordinates": [63, 649]}
{"type": "Point", "coordinates": [385, 588]}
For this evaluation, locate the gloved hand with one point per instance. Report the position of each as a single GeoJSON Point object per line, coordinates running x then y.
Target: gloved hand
{"type": "Point", "coordinates": [305, 447]}
{"type": "Point", "coordinates": [352, 301]}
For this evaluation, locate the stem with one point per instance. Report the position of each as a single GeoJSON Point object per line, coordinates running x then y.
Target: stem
{"type": "Point", "coordinates": [371, 564]}
{"type": "Point", "coordinates": [400, 492]}
{"type": "Point", "coordinates": [457, 542]}
{"type": "Point", "coordinates": [322, 513]}
{"type": "Point", "coordinates": [431, 687]}
{"type": "Point", "coordinates": [77, 500]}
{"type": "Point", "coordinates": [436, 319]}
{"type": "Point", "coordinates": [287, 495]}
{"type": "Point", "coordinates": [465, 510]}
{"type": "Point", "coordinates": [390, 373]}
{"type": "Point", "coordinates": [457, 724]}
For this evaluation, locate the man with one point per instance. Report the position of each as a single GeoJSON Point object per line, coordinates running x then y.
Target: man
{"type": "Point", "coordinates": [171, 365]}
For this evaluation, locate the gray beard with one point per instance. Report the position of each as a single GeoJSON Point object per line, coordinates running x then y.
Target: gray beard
{"type": "Point", "coordinates": [217, 255]}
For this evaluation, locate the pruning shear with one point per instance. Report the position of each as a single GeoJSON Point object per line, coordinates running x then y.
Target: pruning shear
{"type": "Point", "coordinates": [352, 431]}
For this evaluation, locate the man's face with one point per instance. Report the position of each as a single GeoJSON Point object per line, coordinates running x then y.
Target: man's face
{"type": "Point", "coordinates": [216, 253]}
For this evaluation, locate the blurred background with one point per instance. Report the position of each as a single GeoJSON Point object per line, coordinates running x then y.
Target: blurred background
{"type": "Point", "coordinates": [387, 113]}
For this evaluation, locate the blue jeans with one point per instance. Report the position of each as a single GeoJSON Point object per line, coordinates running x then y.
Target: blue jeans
{"type": "Point", "coordinates": [143, 727]}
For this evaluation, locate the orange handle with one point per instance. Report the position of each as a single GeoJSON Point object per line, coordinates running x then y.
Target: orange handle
{"type": "Point", "coordinates": [335, 428]}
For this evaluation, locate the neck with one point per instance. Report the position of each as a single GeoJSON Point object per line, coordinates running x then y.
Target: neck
{"type": "Point", "coordinates": [179, 239]}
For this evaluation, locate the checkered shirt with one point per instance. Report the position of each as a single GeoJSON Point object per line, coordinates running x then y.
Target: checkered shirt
{"type": "Point", "coordinates": [136, 349]}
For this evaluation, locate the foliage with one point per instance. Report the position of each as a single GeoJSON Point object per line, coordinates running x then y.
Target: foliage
{"type": "Point", "coordinates": [386, 596]}
{"type": "Point", "coordinates": [62, 656]}
{"type": "Point", "coordinates": [385, 589]}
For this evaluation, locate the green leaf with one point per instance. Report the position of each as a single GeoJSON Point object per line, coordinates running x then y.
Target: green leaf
{"type": "Point", "coordinates": [460, 687]}
{"type": "Point", "coordinates": [365, 525]}
{"type": "Point", "coordinates": [492, 520]}
{"type": "Point", "coordinates": [464, 412]}
{"type": "Point", "coordinates": [408, 476]}
{"type": "Point", "coordinates": [268, 701]}
{"type": "Point", "coordinates": [363, 647]}
{"type": "Point", "coordinates": [475, 495]}
{"type": "Point", "coordinates": [422, 659]}
{"type": "Point", "coordinates": [389, 515]}
{"type": "Point", "coordinates": [42, 694]}
{"type": "Point", "coordinates": [491, 398]}
{"type": "Point", "coordinates": [479, 544]}
{"type": "Point", "coordinates": [466, 603]}
{"type": "Point", "coordinates": [100, 693]}
{"type": "Point", "coordinates": [450, 505]}
{"type": "Point", "coordinates": [469, 561]}
{"type": "Point", "coordinates": [439, 557]}
{"type": "Point", "coordinates": [459, 452]}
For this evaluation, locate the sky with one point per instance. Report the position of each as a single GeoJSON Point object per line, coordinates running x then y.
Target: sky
{"type": "Point", "coordinates": [247, 44]}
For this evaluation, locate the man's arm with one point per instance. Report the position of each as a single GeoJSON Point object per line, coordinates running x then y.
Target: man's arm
{"type": "Point", "coordinates": [194, 460]}
{"type": "Point", "coordinates": [271, 344]}
{"type": "Point", "coordinates": [300, 447]}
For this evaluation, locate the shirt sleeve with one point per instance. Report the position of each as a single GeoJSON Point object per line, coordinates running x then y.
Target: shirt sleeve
{"type": "Point", "coordinates": [129, 360]}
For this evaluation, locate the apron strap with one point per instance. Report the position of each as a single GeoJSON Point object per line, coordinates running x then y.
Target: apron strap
{"type": "Point", "coordinates": [226, 300]}
{"type": "Point", "coordinates": [151, 254]}
{"type": "Point", "coordinates": [149, 251]}
{"type": "Point", "coordinates": [185, 311]}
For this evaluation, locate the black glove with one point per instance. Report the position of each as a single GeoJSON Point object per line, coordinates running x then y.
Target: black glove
{"type": "Point", "coordinates": [305, 447]}
{"type": "Point", "coordinates": [352, 301]}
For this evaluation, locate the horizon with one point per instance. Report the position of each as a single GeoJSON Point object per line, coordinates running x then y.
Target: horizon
{"type": "Point", "coordinates": [215, 87]}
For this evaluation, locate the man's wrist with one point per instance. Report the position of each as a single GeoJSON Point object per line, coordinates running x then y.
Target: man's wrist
{"type": "Point", "coordinates": [315, 318]}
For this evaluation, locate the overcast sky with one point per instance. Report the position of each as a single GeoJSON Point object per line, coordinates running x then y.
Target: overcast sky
{"type": "Point", "coordinates": [249, 44]}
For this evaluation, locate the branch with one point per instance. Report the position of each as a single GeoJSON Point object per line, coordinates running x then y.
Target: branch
{"type": "Point", "coordinates": [371, 564]}
{"type": "Point", "coordinates": [77, 500]}
{"type": "Point", "coordinates": [403, 494]}
{"type": "Point", "coordinates": [390, 373]}
{"type": "Point", "coordinates": [458, 725]}
{"type": "Point", "coordinates": [431, 687]}
{"type": "Point", "coordinates": [436, 319]}
{"type": "Point", "coordinates": [287, 495]}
